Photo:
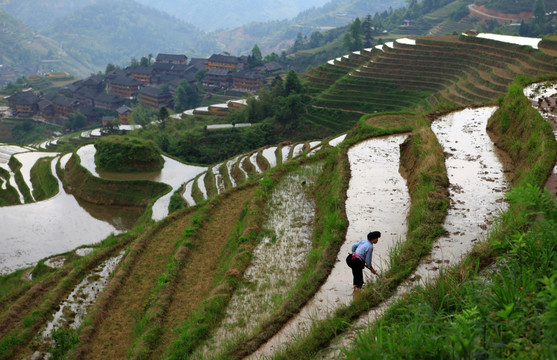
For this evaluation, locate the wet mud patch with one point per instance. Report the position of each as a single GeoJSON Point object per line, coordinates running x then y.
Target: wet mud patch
{"type": "Point", "coordinates": [73, 309]}
{"type": "Point", "coordinates": [477, 185]}
{"type": "Point", "coordinates": [377, 199]}
{"type": "Point", "coordinates": [276, 262]}
{"type": "Point", "coordinates": [196, 279]}
{"type": "Point", "coordinates": [113, 336]}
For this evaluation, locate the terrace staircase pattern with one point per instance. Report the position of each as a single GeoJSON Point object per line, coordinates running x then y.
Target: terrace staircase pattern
{"type": "Point", "coordinates": [457, 70]}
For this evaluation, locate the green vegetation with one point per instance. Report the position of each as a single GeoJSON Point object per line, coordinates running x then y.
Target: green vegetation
{"type": "Point", "coordinates": [78, 181]}
{"type": "Point", "coordinates": [524, 135]}
{"type": "Point", "coordinates": [25, 131]}
{"type": "Point", "coordinates": [45, 185]}
{"type": "Point", "coordinates": [15, 165]}
{"type": "Point", "coordinates": [127, 154]}
{"type": "Point", "coordinates": [9, 195]}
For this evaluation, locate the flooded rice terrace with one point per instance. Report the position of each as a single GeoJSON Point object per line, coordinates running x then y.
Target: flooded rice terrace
{"type": "Point", "coordinates": [377, 199]}
{"type": "Point", "coordinates": [33, 231]}
{"type": "Point", "coordinates": [277, 260]}
{"type": "Point", "coordinates": [476, 171]}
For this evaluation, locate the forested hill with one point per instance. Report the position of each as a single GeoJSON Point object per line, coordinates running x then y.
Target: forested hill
{"type": "Point", "coordinates": [23, 49]}
{"type": "Point", "coordinates": [87, 39]}
{"type": "Point", "coordinates": [114, 32]}
{"type": "Point", "coordinates": [211, 15]}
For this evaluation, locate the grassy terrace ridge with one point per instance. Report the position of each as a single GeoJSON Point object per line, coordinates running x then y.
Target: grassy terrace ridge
{"type": "Point", "coordinates": [45, 185]}
{"type": "Point", "coordinates": [507, 309]}
{"type": "Point", "coordinates": [460, 69]}
{"type": "Point", "coordinates": [78, 181]}
{"type": "Point", "coordinates": [127, 154]}
{"type": "Point", "coordinates": [172, 288]}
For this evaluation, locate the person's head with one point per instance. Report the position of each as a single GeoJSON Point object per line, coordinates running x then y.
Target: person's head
{"type": "Point", "coordinates": [374, 236]}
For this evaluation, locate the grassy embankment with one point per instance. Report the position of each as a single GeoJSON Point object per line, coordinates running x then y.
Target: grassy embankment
{"type": "Point", "coordinates": [194, 331]}
{"type": "Point", "coordinates": [508, 309]}
{"type": "Point", "coordinates": [15, 165]}
{"type": "Point", "coordinates": [78, 181]}
{"type": "Point", "coordinates": [27, 304]}
{"type": "Point", "coordinates": [45, 185]}
{"type": "Point", "coordinates": [127, 154]}
{"type": "Point", "coordinates": [423, 159]}
{"type": "Point", "coordinates": [8, 196]}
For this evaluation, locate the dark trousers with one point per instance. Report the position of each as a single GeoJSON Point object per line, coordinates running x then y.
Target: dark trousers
{"type": "Point", "coordinates": [357, 266]}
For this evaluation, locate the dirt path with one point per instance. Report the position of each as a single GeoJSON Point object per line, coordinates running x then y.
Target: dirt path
{"type": "Point", "coordinates": [197, 276]}
{"type": "Point", "coordinates": [115, 334]}
{"type": "Point", "coordinates": [482, 12]}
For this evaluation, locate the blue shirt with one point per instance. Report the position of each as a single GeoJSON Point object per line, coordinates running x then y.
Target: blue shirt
{"type": "Point", "coordinates": [364, 250]}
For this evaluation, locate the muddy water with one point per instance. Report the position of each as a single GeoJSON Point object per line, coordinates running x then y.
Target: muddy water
{"type": "Point", "coordinates": [476, 171]}
{"type": "Point", "coordinates": [377, 199]}
{"type": "Point", "coordinates": [34, 231]}
{"type": "Point", "coordinates": [73, 309]}
{"type": "Point", "coordinates": [174, 173]}
{"type": "Point", "coordinates": [277, 260]}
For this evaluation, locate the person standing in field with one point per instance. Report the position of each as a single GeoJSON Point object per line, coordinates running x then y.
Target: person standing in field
{"type": "Point", "coordinates": [360, 257]}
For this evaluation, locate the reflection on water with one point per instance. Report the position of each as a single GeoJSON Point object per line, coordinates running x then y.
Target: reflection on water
{"type": "Point", "coordinates": [34, 231]}
{"type": "Point", "coordinates": [174, 173]}
{"type": "Point", "coordinates": [377, 199]}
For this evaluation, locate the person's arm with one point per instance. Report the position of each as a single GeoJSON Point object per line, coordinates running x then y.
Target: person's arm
{"type": "Point", "coordinates": [354, 247]}
{"type": "Point", "coordinates": [368, 261]}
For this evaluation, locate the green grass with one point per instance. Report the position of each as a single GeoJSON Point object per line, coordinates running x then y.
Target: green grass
{"type": "Point", "coordinates": [507, 311]}
{"type": "Point", "coordinates": [15, 165]}
{"type": "Point", "coordinates": [45, 185]}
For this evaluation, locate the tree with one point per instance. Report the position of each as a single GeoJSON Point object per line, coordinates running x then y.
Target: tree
{"type": "Point", "coordinates": [163, 115]}
{"type": "Point", "coordinates": [144, 61]}
{"type": "Point", "coordinates": [256, 53]}
{"type": "Point", "coordinates": [109, 68]}
{"type": "Point", "coordinates": [134, 64]}
{"type": "Point", "coordinates": [292, 84]}
{"type": "Point", "coordinates": [186, 97]}
{"type": "Point", "coordinates": [76, 120]}
{"type": "Point", "coordinates": [298, 43]}
{"type": "Point", "coordinates": [539, 15]}
{"type": "Point", "coordinates": [366, 30]}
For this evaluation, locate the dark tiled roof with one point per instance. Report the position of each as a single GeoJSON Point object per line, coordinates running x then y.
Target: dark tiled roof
{"type": "Point", "coordinates": [124, 109]}
{"type": "Point", "coordinates": [43, 104]}
{"type": "Point", "coordinates": [225, 59]}
{"type": "Point", "coordinates": [171, 57]}
{"type": "Point", "coordinates": [248, 75]}
{"type": "Point", "coordinates": [126, 81]}
{"type": "Point", "coordinates": [24, 98]}
{"type": "Point", "coordinates": [65, 101]}
{"type": "Point", "coordinates": [145, 70]}
{"type": "Point", "coordinates": [106, 98]}
{"type": "Point", "coordinates": [198, 63]}
{"type": "Point", "coordinates": [217, 72]}
{"type": "Point", "coordinates": [93, 81]}
{"type": "Point", "coordinates": [273, 66]}
{"type": "Point", "coordinates": [153, 91]}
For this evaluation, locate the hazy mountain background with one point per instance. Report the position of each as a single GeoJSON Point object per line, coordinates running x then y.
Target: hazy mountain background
{"type": "Point", "coordinates": [85, 35]}
{"type": "Point", "coordinates": [211, 15]}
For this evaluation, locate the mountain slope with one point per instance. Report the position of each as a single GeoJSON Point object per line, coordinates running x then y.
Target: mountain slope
{"type": "Point", "coordinates": [216, 14]}
{"type": "Point", "coordinates": [23, 49]}
{"type": "Point", "coordinates": [114, 32]}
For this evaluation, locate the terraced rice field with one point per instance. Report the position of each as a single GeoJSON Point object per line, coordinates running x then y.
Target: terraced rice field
{"type": "Point", "coordinates": [205, 282]}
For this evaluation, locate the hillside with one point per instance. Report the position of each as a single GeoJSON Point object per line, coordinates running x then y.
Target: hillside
{"type": "Point", "coordinates": [214, 15]}
{"type": "Point", "coordinates": [265, 228]}
{"type": "Point", "coordinates": [23, 49]}
{"type": "Point", "coordinates": [115, 32]}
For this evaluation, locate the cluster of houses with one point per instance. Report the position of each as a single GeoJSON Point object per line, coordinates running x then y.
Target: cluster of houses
{"type": "Point", "coordinates": [119, 89]}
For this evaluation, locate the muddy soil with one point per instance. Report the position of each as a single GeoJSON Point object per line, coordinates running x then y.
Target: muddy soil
{"type": "Point", "coordinates": [377, 199]}
{"type": "Point", "coordinates": [476, 170]}
{"type": "Point", "coordinates": [277, 261]}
